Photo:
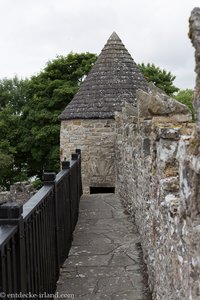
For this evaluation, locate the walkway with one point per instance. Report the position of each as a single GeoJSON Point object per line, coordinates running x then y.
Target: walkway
{"type": "Point", "coordinates": [105, 258]}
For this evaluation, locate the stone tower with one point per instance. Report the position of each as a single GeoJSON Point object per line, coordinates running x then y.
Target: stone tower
{"type": "Point", "coordinates": [88, 122]}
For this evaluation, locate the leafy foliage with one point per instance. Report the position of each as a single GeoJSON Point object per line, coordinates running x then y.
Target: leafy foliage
{"type": "Point", "coordinates": [12, 94]}
{"type": "Point", "coordinates": [29, 116]}
{"type": "Point", "coordinates": [161, 78]}
{"type": "Point", "coordinates": [185, 97]}
{"type": "Point", "coordinates": [12, 99]}
{"type": "Point", "coordinates": [37, 184]}
{"type": "Point", "coordinates": [48, 94]}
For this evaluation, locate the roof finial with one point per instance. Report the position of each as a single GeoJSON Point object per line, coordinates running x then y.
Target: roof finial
{"type": "Point", "coordinates": [114, 36]}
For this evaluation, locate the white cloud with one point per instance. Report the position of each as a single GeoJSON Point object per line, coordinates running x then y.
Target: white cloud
{"type": "Point", "coordinates": [32, 32]}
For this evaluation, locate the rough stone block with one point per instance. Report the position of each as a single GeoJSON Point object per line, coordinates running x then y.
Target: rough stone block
{"type": "Point", "coordinates": [170, 133]}
{"type": "Point", "coordinates": [146, 147]}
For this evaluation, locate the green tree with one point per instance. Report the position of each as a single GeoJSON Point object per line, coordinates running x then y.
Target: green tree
{"type": "Point", "coordinates": [12, 99]}
{"type": "Point", "coordinates": [161, 78]}
{"type": "Point", "coordinates": [29, 111]}
{"type": "Point", "coordinates": [13, 93]}
{"type": "Point", "coordinates": [6, 161]}
{"type": "Point", "coordinates": [185, 97]}
{"type": "Point", "coordinates": [10, 134]}
{"type": "Point", "coordinates": [48, 93]}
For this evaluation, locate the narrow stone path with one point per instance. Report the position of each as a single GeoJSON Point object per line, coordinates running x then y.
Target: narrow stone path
{"type": "Point", "coordinates": [105, 258]}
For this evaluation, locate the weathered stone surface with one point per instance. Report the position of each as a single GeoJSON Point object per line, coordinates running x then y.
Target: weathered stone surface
{"type": "Point", "coordinates": [157, 103]}
{"type": "Point", "coordinates": [170, 133]}
{"type": "Point", "coordinates": [78, 286]}
{"type": "Point", "coordinates": [93, 238]}
{"type": "Point", "coordinates": [157, 179]}
{"type": "Point", "coordinates": [89, 272]}
{"type": "Point", "coordinates": [89, 260]}
{"type": "Point", "coordinates": [105, 271]}
{"type": "Point", "coordinates": [195, 38]}
{"type": "Point", "coordinates": [96, 140]}
{"type": "Point", "coordinates": [93, 249]}
{"type": "Point", "coordinates": [172, 119]}
{"type": "Point", "coordinates": [130, 110]}
{"type": "Point", "coordinates": [143, 104]}
{"type": "Point", "coordinates": [162, 104]}
{"type": "Point", "coordinates": [128, 295]}
{"type": "Point", "coordinates": [112, 285]}
{"type": "Point", "coordinates": [19, 192]}
{"type": "Point", "coordinates": [106, 214]}
{"type": "Point", "coordinates": [4, 196]}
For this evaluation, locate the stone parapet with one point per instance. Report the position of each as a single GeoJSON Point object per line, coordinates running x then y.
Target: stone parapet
{"type": "Point", "coordinates": [156, 176]}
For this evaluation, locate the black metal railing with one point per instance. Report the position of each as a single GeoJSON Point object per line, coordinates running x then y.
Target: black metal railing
{"type": "Point", "coordinates": [35, 238]}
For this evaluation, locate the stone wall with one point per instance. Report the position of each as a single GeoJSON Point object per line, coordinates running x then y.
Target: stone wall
{"type": "Point", "coordinates": [19, 192]}
{"type": "Point", "coordinates": [96, 139]}
{"type": "Point", "coordinates": [157, 178]}
{"type": "Point", "coordinates": [194, 35]}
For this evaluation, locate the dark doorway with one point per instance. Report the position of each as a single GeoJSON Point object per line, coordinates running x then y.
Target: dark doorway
{"type": "Point", "coordinates": [101, 190]}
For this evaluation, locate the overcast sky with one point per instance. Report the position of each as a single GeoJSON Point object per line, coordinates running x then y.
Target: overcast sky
{"type": "Point", "coordinates": [35, 31]}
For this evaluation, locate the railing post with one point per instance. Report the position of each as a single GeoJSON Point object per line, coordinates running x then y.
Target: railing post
{"type": "Point", "coordinates": [74, 156]}
{"type": "Point", "coordinates": [49, 179]}
{"type": "Point", "coordinates": [75, 179]}
{"type": "Point", "coordinates": [65, 164]}
{"type": "Point", "coordinates": [78, 151]}
{"type": "Point", "coordinates": [11, 214]}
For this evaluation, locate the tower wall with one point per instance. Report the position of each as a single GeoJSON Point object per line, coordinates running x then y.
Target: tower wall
{"type": "Point", "coordinates": [96, 139]}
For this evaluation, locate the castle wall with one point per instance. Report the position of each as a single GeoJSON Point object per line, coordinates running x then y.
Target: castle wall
{"type": "Point", "coordinates": [96, 139]}
{"type": "Point", "coordinates": [153, 149]}
{"type": "Point", "coordinates": [157, 178]}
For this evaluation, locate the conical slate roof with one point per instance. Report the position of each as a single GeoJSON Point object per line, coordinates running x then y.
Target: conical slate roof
{"type": "Point", "coordinates": [113, 79]}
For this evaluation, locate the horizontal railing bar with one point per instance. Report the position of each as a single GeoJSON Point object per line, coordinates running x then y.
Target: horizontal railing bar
{"type": "Point", "coordinates": [31, 205]}
{"type": "Point", "coordinates": [61, 174]}
{"type": "Point", "coordinates": [73, 163]}
{"type": "Point", "coordinates": [6, 233]}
